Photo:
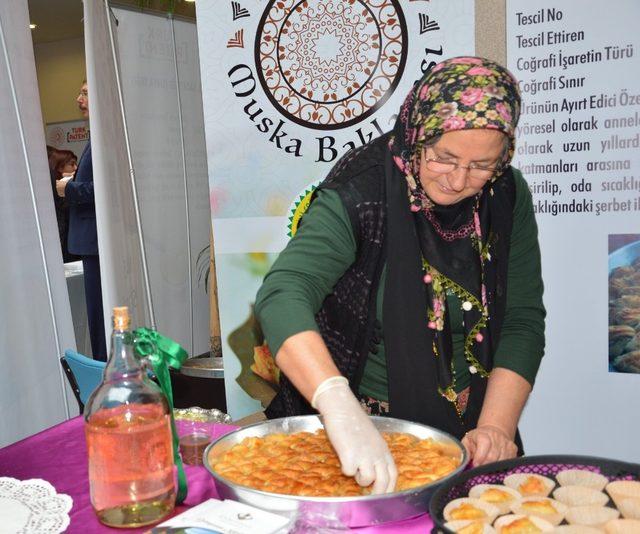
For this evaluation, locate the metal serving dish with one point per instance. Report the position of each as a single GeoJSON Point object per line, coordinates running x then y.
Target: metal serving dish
{"type": "Point", "coordinates": [335, 512]}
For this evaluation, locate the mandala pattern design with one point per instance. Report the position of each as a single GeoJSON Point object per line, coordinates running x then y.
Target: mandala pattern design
{"type": "Point", "coordinates": [328, 64]}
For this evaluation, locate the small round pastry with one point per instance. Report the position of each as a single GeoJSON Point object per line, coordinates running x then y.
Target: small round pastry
{"type": "Point", "coordinates": [576, 529]}
{"type": "Point", "coordinates": [580, 496]}
{"type": "Point", "coordinates": [629, 507]}
{"type": "Point", "coordinates": [530, 485]}
{"type": "Point", "coordinates": [580, 477]}
{"type": "Point", "coordinates": [623, 489]}
{"type": "Point", "coordinates": [465, 526]}
{"type": "Point", "coordinates": [548, 509]}
{"type": "Point", "coordinates": [622, 526]}
{"type": "Point", "coordinates": [591, 516]}
{"type": "Point", "coordinates": [521, 524]}
{"type": "Point", "coordinates": [496, 494]}
{"type": "Point", "coordinates": [472, 509]}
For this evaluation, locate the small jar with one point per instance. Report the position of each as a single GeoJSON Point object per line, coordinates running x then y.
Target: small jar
{"type": "Point", "coordinates": [195, 431]}
{"type": "Point", "coordinates": [192, 447]}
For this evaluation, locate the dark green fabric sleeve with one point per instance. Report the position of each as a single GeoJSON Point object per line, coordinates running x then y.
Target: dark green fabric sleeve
{"type": "Point", "coordinates": [306, 271]}
{"type": "Point", "coordinates": [521, 344]}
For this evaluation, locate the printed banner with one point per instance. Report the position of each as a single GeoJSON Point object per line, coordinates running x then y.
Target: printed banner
{"type": "Point", "coordinates": [288, 87]}
{"type": "Point", "coordinates": [68, 135]}
{"type": "Point", "coordinates": [578, 146]}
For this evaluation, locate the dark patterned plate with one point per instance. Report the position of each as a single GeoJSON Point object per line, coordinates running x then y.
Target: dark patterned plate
{"type": "Point", "coordinates": [495, 473]}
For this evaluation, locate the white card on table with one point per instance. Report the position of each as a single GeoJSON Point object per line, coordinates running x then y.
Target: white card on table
{"type": "Point", "coordinates": [229, 517]}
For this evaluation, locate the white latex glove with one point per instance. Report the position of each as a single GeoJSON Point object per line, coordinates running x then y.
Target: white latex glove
{"type": "Point", "coordinates": [362, 451]}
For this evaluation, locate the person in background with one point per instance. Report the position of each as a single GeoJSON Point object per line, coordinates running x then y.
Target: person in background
{"type": "Point", "coordinates": [413, 286]}
{"type": "Point", "coordinates": [83, 235]}
{"type": "Point", "coordinates": [62, 164]}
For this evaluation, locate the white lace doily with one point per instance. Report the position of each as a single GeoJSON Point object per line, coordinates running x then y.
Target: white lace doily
{"type": "Point", "coordinates": [30, 506]}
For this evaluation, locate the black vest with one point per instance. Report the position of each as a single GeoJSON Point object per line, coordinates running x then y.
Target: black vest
{"type": "Point", "coordinates": [347, 319]}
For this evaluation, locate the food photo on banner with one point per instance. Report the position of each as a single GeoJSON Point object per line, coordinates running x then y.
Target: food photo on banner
{"type": "Point", "coordinates": [624, 303]}
{"type": "Point", "coordinates": [303, 83]}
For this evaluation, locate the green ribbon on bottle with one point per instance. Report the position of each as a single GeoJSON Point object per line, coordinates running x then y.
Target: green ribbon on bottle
{"type": "Point", "coordinates": [163, 353]}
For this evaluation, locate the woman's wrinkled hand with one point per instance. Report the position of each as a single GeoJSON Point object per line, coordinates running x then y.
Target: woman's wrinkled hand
{"type": "Point", "coordinates": [488, 443]}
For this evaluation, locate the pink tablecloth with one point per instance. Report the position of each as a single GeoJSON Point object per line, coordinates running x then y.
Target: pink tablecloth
{"type": "Point", "coordinates": [59, 455]}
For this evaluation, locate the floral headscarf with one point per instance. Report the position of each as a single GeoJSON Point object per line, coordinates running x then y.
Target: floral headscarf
{"type": "Point", "coordinates": [461, 93]}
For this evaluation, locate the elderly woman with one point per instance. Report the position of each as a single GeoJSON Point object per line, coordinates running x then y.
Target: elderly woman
{"type": "Point", "coordinates": [413, 287]}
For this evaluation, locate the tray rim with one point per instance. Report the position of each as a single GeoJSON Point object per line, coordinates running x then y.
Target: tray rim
{"type": "Point", "coordinates": [363, 498]}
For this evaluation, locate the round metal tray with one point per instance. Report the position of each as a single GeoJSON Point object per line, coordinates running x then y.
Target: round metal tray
{"type": "Point", "coordinates": [334, 512]}
{"type": "Point", "coordinates": [495, 473]}
{"type": "Point", "coordinates": [203, 367]}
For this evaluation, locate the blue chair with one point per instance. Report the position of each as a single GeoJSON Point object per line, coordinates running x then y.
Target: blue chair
{"type": "Point", "coordinates": [84, 374]}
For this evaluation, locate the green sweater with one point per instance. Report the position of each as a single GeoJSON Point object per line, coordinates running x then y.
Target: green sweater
{"type": "Point", "coordinates": [323, 249]}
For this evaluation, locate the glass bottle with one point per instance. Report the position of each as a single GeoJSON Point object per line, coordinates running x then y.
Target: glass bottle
{"type": "Point", "coordinates": [129, 442]}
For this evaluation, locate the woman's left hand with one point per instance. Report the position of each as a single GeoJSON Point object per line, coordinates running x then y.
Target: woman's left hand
{"type": "Point", "coordinates": [488, 443]}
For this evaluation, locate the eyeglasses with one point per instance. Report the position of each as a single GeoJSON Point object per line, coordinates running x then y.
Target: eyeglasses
{"type": "Point", "coordinates": [84, 94]}
{"type": "Point", "coordinates": [477, 172]}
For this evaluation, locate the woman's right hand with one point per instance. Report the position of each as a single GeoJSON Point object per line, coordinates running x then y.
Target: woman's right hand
{"type": "Point", "coordinates": [362, 451]}
{"type": "Point", "coordinates": [61, 185]}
